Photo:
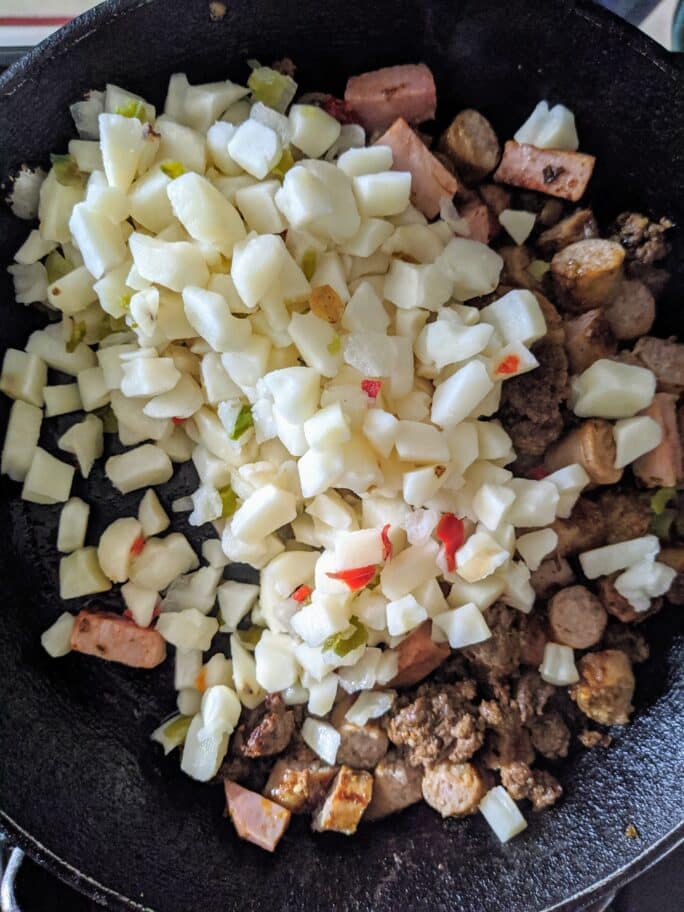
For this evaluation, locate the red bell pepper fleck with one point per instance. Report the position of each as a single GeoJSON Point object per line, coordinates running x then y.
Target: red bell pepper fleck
{"type": "Point", "coordinates": [537, 473]}
{"type": "Point", "coordinates": [451, 532]}
{"type": "Point", "coordinates": [175, 420]}
{"type": "Point", "coordinates": [386, 543]}
{"type": "Point", "coordinates": [371, 388]}
{"type": "Point", "coordinates": [509, 365]}
{"type": "Point", "coordinates": [301, 593]}
{"type": "Point", "coordinates": [137, 546]}
{"type": "Point", "coordinates": [356, 577]}
{"type": "Point", "coordinates": [339, 109]}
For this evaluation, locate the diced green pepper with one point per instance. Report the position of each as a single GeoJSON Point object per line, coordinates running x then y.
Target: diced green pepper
{"type": "Point", "coordinates": [125, 303]}
{"type": "Point", "coordinates": [286, 162]}
{"type": "Point", "coordinates": [78, 332]}
{"type": "Point", "coordinates": [309, 263]}
{"type": "Point", "coordinates": [270, 87]}
{"type": "Point", "coordinates": [250, 636]}
{"type": "Point", "coordinates": [538, 269]}
{"type": "Point", "coordinates": [661, 524]}
{"type": "Point", "coordinates": [66, 171]}
{"type": "Point", "coordinates": [173, 169]}
{"type": "Point", "coordinates": [243, 422]}
{"type": "Point", "coordinates": [132, 108]}
{"type": "Point", "coordinates": [57, 266]}
{"type": "Point", "coordinates": [335, 346]}
{"type": "Point", "coordinates": [177, 728]}
{"type": "Point", "coordinates": [661, 499]}
{"type": "Point", "coordinates": [228, 501]}
{"type": "Point", "coordinates": [345, 642]}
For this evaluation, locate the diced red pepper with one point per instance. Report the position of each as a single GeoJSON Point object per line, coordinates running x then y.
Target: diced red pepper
{"type": "Point", "coordinates": [451, 532]}
{"type": "Point", "coordinates": [371, 388]}
{"type": "Point", "coordinates": [302, 593]}
{"type": "Point", "coordinates": [356, 577]}
{"type": "Point", "coordinates": [386, 543]}
{"type": "Point", "coordinates": [537, 473]}
{"type": "Point", "coordinates": [509, 365]}
{"type": "Point", "coordinates": [175, 420]}
{"type": "Point", "coordinates": [137, 546]}
{"type": "Point", "coordinates": [340, 110]}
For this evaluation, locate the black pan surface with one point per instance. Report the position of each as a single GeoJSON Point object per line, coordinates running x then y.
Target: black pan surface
{"type": "Point", "coordinates": [81, 787]}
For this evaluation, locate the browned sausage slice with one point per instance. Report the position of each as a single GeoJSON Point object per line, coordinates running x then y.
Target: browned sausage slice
{"type": "Point", "coordinates": [379, 97]}
{"type": "Point", "coordinates": [633, 311]}
{"type": "Point", "coordinates": [255, 818]}
{"type": "Point", "coordinates": [116, 639]}
{"type": "Point", "coordinates": [454, 789]}
{"type": "Point", "coordinates": [430, 180]}
{"type": "Point", "coordinates": [592, 445]}
{"type": "Point", "coordinates": [552, 574]}
{"type": "Point", "coordinates": [551, 171]}
{"type": "Point", "coordinates": [396, 785]}
{"type": "Point", "coordinates": [472, 144]}
{"type": "Point", "coordinates": [588, 337]}
{"type": "Point", "coordinates": [662, 467]}
{"type": "Point", "coordinates": [588, 274]}
{"type": "Point", "coordinates": [606, 687]}
{"type": "Point", "coordinates": [418, 656]}
{"type": "Point", "coordinates": [577, 618]}
{"type": "Point", "coordinates": [579, 226]}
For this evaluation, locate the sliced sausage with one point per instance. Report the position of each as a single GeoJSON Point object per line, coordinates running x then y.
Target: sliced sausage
{"type": "Point", "coordinates": [665, 358]}
{"type": "Point", "coordinates": [454, 789]}
{"type": "Point", "coordinates": [551, 171]}
{"type": "Point", "coordinates": [606, 687]}
{"type": "Point", "coordinates": [349, 796]}
{"type": "Point", "coordinates": [588, 337]}
{"type": "Point", "coordinates": [576, 618]}
{"type": "Point", "coordinates": [379, 97]}
{"type": "Point", "coordinates": [579, 226]}
{"type": "Point", "coordinates": [299, 780]}
{"type": "Point", "coordinates": [583, 530]}
{"type": "Point", "coordinates": [419, 655]}
{"type": "Point", "coordinates": [361, 746]}
{"type": "Point", "coordinates": [497, 198]}
{"type": "Point", "coordinates": [552, 574]}
{"type": "Point", "coordinates": [430, 180]}
{"type": "Point", "coordinates": [618, 606]}
{"type": "Point", "coordinates": [588, 274]}
{"type": "Point", "coordinates": [632, 312]}
{"type": "Point", "coordinates": [255, 818]}
{"type": "Point", "coordinates": [472, 144]}
{"type": "Point", "coordinates": [116, 639]}
{"type": "Point", "coordinates": [396, 785]}
{"type": "Point", "coordinates": [662, 467]}
{"type": "Point", "coordinates": [592, 445]}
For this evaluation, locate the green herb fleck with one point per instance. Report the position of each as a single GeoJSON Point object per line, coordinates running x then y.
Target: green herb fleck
{"type": "Point", "coordinates": [285, 163]}
{"type": "Point", "coordinates": [228, 501]}
{"type": "Point", "coordinates": [243, 422]}
{"type": "Point", "coordinates": [271, 87]}
{"type": "Point", "coordinates": [177, 728]}
{"type": "Point", "coordinates": [57, 266]}
{"type": "Point", "coordinates": [661, 499]}
{"type": "Point", "coordinates": [661, 524]}
{"type": "Point", "coordinates": [173, 169]}
{"type": "Point", "coordinates": [132, 108]}
{"type": "Point", "coordinates": [66, 171]}
{"type": "Point", "coordinates": [250, 636]}
{"type": "Point", "coordinates": [309, 263]}
{"type": "Point", "coordinates": [335, 346]}
{"type": "Point", "coordinates": [78, 332]}
{"type": "Point", "coordinates": [345, 642]}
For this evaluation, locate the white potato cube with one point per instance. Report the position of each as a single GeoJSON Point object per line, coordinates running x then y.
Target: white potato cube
{"type": "Point", "coordinates": [404, 614]}
{"type": "Point", "coordinates": [516, 316]}
{"type": "Point", "coordinates": [445, 342]}
{"type": "Point", "coordinates": [210, 317]}
{"type": "Point", "coordinates": [409, 569]}
{"type": "Point", "coordinates": [100, 240]}
{"type": "Point", "coordinates": [73, 523]}
{"type": "Point", "coordinates": [235, 600]}
{"type": "Point", "coordinates": [21, 439]}
{"type": "Point", "coordinates": [368, 160]}
{"type": "Point", "coordinates": [610, 558]}
{"type": "Point", "coordinates": [369, 353]}
{"type": "Point", "coordinates": [50, 345]}
{"type": "Point", "coordinates": [23, 376]}
{"type": "Point", "coordinates": [535, 502]}
{"type": "Point", "coordinates": [322, 695]}
{"type": "Point", "coordinates": [609, 389]}
{"type": "Point", "coordinates": [61, 399]}
{"type": "Point", "coordinates": [473, 267]}
{"type": "Point", "coordinates": [258, 207]}
{"type": "Point", "coordinates": [518, 223]}
{"type": "Point", "coordinates": [146, 377]}
{"type": "Point", "coordinates": [382, 193]}
{"type": "Point", "coordinates": [502, 814]}
{"type": "Point", "coordinates": [48, 480]}
{"type": "Point", "coordinates": [187, 629]}
{"type": "Point", "coordinates": [535, 546]}
{"type": "Point", "coordinates": [256, 266]}
{"type": "Point", "coordinates": [85, 441]}
{"type": "Point", "coordinates": [358, 549]}
{"type": "Point", "coordinates": [173, 264]}
{"type": "Point", "coordinates": [92, 389]}
{"type": "Point", "coordinates": [56, 640]}
{"type": "Point", "coordinates": [139, 468]}
{"type": "Point", "coordinates": [643, 581]}
{"type": "Point", "coordinates": [72, 292]}
{"type": "Point", "coordinates": [549, 129]}
{"type": "Point", "coordinates": [570, 481]}
{"type": "Point", "coordinates": [491, 504]}
{"type": "Point", "coordinates": [479, 557]}
{"type": "Point", "coordinates": [380, 428]}
{"type": "Point", "coordinates": [149, 202]}
{"type": "Point", "coordinates": [266, 510]}
{"type": "Point", "coordinates": [462, 392]}
{"type": "Point", "coordinates": [219, 135]}
{"type": "Point", "coordinates": [205, 213]}
{"type": "Point", "coordinates": [482, 593]}
{"type": "Point", "coordinates": [317, 343]}
{"type": "Point", "coordinates": [276, 666]}
{"type": "Point", "coordinates": [371, 235]}
{"type": "Point", "coordinates": [312, 129]}
{"type": "Point", "coordinates": [463, 626]}
{"type": "Point", "coordinates": [319, 469]}
{"type": "Point", "coordinates": [518, 591]}
{"type": "Point", "coordinates": [364, 311]}
{"type": "Point", "coordinates": [122, 142]}
{"type": "Point", "coordinates": [410, 285]}
{"type": "Point", "coordinates": [295, 391]}
{"type": "Point", "coordinates": [634, 437]}
{"type": "Point", "coordinates": [416, 441]}
{"type": "Point", "coordinates": [322, 738]}
{"type": "Point", "coordinates": [152, 515]}
{"type": "Point", "coordinates": [80, 574]}
{"type": "Point", "coordinates": [558, 666]}
{"type": "Point", "coordinates": [327, 427]}
{"type": "Point", "coordinates": [114, 550]}
{"type": "Point", "coordinates": [256, 148]}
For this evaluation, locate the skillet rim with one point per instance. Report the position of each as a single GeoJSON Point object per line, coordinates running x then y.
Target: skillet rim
{"type": "Point", "coordinates": [60, 43]}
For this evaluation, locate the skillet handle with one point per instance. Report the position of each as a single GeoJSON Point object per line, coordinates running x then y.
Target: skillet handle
{"type": "Point", "coordinates": [8, 902]}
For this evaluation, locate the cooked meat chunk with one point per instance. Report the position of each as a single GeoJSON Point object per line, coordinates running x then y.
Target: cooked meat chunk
{"type": "Point", "coordinates": [540, 787]}
{"type": "Point", "coordinates": [550, 735]}
{"type": "Point", "coordinates": [642, 239]}
{"type": "Point", "coordinates": [576, 618]}
{"type": "Point", "coordinates": [588, 337]}
{"type": "Point", "coordinates": [592, 445]}
{"type": "Point", "coordinates": [299, 780]}
{"type": "Point", "coordinates": [454, 789]}
{"type": "Point", "coordinates": [532, 640]}
{"type": "Point", "coordinates": [626, 513]}
{"type": "Point", "coordinates": [555, 327]}
{"type": "Point", "coordinates": [592, 738]}
{"type": "Point", "coordinates": [507, 738]}
{"type": "Point", "coordinates": [379, 97]}
{"type": "Point", "coordinates": [256, 819]}
{"type": "Point", "coordinates": [587, 274]}
{"type": "Point", "coordinates": [530, 403]}
{"type": "Point", "coordinates": [532, 694]}
{"type": "Point", "coordinates": [551, 212]}
{"type": "Point", "coordinates": [632, 312]}
{"type": "Point", "coordinates": [500, 654]}
{"type": "Point", "coordinates": [673, 557]}
{"type": "Point", "coordinates": [419, 655]}
{"type": "Point", "coordinates": [441, 723]}
{"type": "Point", "coordinates": [362, 746]}
{"type": "Point", "coordinates": [348, 798]}
{"type": "Point", "coordinates": [396, 785]}
{"type": "Point", "coordinates": [267, 730]}
{"type": "Point", "coordinates": [675, 594]}
{"type": "Point", "coordinates": [497, 198]}
{"type": "Point", "coordinates": [472, 144]}
{"type": "Point", "coordinates": [551, 171]}
{"type": "Point", "coordinates": [552, 574]}
{"type": "Point", "coordinates": [516, 259]}
{"type": "Point", "coordinates": [482, 223]}
{"type": "Point", "coordinates": [618, 606]}
{"type": "Point", "coordinates": [627, 640]}
{"type": "Point", "coordinates": [579, 226]}
{"type": "Point", "coordinates": [606, 686]}
{"type": "Point", "coordinates": [663, 466]}
{"type": "Point", "coordinates": [654, 277]}
{"type": "Point", "coordinates": [116, 639]}
{"type": "Point", "coordinates": [583, 530]}
{"type": "Point", "coordinates": [665, 358]}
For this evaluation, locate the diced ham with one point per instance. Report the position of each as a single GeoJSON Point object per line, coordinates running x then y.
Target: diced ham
{"type": "Point", "coordinates": [379, 97]}
{"type": "Point", "coordinates": [254, 817]}
{"type": "Point", "coordinates": [117, 639]}
{"type": "Point", "coordinates": [418, 656]}
{"type": "Point", "coordinates": [430, 180]}
{"type": "Point", "coordinates": [348, 798]}
{"type": "Point", "coordinates": [299, 780]}
{"type": "Point", "coordinates": [552, 171]}
{"type": "Point", "coordinates": [662, 467]}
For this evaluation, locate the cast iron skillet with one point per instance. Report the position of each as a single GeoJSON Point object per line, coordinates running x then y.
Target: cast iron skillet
{"type": "Point", "coordinates": [81, 787]}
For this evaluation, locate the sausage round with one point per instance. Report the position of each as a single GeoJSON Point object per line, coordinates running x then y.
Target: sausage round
{"type": "Point", "coordinates": [454, 789]}
{"type": "Point", "coordinates": [470, 141]}
{"type": "Point", "coordinates": [632, 312]}
{"type": "Point", "coordinates": [576, 617]}
{"type": "Point", "coordinates": [588, 274]}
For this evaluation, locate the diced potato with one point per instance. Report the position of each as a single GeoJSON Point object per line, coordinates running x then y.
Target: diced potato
{"type": "Point", "coordinates": [80, 574]}
{"type": "Point", "coordinates": [205, 213]}
{"type": "Point", "coordinates": [634, 437]}
{"type": "Point", "coordinates": [23, 376]}
{"type": "Point", "coordinates": [256, 148]}
{"type": "Point", "coordinates": [151, 514]}
{"type": "Point", "coordinates": [73, 524]}
{"type": "Point", "coordinates": [21, 439]}
{"type": "Point", "coordinates": [138, 468]}
{"type": "Point", "coordinates": [92, 389]}
{"type": "Point", "coordinates": [85, 441]}
{"type": "Point", "coordinates": [609, 389]}
{"type": "Point", "coordinates": [48, 480]}
{"type": "Point", "coordinates": [61, 399]}
{"type": "Point", "coordinates": [56, 640]}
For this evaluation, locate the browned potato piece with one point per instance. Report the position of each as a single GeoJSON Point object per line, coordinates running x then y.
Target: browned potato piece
{"type": "Point", "coordinates": [587, 338]}
{"type": "Point", "coordinates": [592, 445]}
{"type": "Point", "coordinates": [583, 530]}
{"type": "Point", "coordinates": [673, 557]}
{"type": "Point", "coordinates": [588, 274]}
{"type": "Point", "coordinates": [454, 789]}
{"type": "Point", "coordinates": [576, 618]}
{"type": "Point", "coordinates": [579, 226]}
{"type": "Point", "coordinates": [606, 687]}
{"type": "Point", "coordinates": [349, 796]}
{"type": "Point", "coordinates": [396, 785]}
{"type": "Point", "coordinates": [632, 312]}
{"type": "Point", "coordinates": [472, 144]}
{"type": "Point", "coordinates": [326, 303]}
{"type": "Point", "coordinates": [299, 780]}
{"type": "Point", "coordinates": [362, 746]}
